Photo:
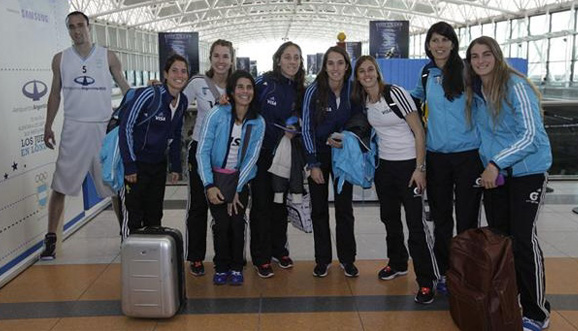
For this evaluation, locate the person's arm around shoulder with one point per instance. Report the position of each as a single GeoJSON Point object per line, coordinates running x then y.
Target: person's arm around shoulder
{"type": "Point", "coordinates": [116, 71]}
{"type": "Point", "coordinates": [53, 102]}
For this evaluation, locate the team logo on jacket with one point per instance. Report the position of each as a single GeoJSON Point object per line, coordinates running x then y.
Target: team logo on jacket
{"type": "Point", "coordinates": [34, 89]}
{"type": "Point", "coordinates": [271, 101]}
{"type": "Point", "coordinates": [84, 80]}
{"type": "Point", "coordinates": [161, 118]}
{"type": "Point", "coordinates": [534, 197]}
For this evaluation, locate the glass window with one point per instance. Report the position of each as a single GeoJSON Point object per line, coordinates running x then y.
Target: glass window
{"type": "Point", "coordinates": [559, 49]}
{"type": "Point", "coordinates": [538, 25]}
{"type": "Point", "coordinates": [488, 30]}
{"type": "Point", "coordinates": [519, 50]}
{"type": "Point", "coordinates": [502, 31]}
{"type": "Point", "coordinates": [519, 28]}
{"type": "Point", "coordinates": [561, 21]}
{"type": "Point", "coordinates": [558, 72]}
{"type": "Point", "coordinates": [537, 50]}
{"type": "Point", "coordinates": [463, 37]}
{"type": "Point", "coordinates": [475, 31]}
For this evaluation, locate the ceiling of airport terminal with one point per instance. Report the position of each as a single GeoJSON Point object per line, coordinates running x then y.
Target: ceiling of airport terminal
{"type": "Point", "coordinates": [244, 21]}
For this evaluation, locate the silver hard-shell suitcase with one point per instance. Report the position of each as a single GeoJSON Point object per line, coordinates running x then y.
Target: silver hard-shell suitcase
{"type": "Point", "coordinates": [152, 273]}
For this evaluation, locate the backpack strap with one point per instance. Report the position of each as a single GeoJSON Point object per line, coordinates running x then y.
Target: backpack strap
{"type": "Point", "coordinates": [155, 105]}
{"type": "Point", "coordinates": [212, 87]}
{"type": "Point", "coordinates": [424, 76]}
{"type": "Point", "coordinates": [387, 96]}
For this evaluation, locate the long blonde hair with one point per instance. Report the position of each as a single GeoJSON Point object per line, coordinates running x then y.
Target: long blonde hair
{"type": "Point", "coordinates": [499, 83]}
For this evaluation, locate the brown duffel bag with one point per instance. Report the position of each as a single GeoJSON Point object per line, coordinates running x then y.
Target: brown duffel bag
{"type": "Point", "coordinates": [482, 282]}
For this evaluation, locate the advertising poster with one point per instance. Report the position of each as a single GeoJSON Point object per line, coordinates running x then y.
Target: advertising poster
{"type": "Point", "coordinates": [243, 63]}
{"type": "Point", "coordinates": [353, 48]}
{"type": "Point", "coordinates": [319, 61]}
{"type": "Point", "coordinates": [312, 64]}
{"type": "Point", "coordinates": [37, 32]}
{"type": "Point", "coordinates": [185, 44]}
{"type": "Point", "coordinates": [389, 39]}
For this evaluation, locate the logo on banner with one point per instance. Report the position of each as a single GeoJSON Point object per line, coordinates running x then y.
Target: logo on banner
{"type": "Point", "coordinates": [84, 80]}
{"type": "Point", "coordinates": [41, 188]}
{"type": "Point", "coordinates": [34, 89]}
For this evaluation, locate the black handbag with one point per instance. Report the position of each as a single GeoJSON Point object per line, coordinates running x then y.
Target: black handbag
{"type": "Point", "coordinates": [226, 180]}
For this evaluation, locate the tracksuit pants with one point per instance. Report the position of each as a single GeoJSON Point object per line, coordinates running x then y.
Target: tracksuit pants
{"type": "Point", "coordinates": [513, 208]}
{"type": "Point", "coordinates": [391, 183]}
{"type": "Point", "coordinates": [449, 175]}
{"type": "Point", "coordinates": [142, 202]}
{"type": "Point", "coordinates": [229, 235]}
{"type": "Point", "coordinates": [197, 211]}
{"type": "Point", "coordinates": [345, 237]}
{"type": "Point", "coordinates": [268, 220]}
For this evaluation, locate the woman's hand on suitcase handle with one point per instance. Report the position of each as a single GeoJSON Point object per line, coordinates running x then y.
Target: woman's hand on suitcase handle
{"type": "Point", "coordinates": [232, 207]}
{"type": "Point", "coordinates": [215, 196]}
{"type": "Point", "coordinates": [131, 178]}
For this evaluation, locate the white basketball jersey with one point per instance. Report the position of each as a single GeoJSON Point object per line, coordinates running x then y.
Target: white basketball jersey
{"type": "Point", "coordinates": [199, 90]}
{"type": "Point", "coordinates": [86, 85]}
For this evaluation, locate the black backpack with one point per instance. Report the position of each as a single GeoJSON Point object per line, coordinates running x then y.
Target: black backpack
{"type": "Point", "coordinates": [394, 107]}
{"type": "Point", "coordinates": [128, 99]}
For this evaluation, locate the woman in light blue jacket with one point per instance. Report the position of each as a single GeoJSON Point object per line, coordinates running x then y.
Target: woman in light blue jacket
{"type": "Point", "coordinates": [230, 141]}
{"type": "Point", "coordinates": [505, 108]}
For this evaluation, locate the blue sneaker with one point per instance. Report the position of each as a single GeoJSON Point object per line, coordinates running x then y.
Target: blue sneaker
{"type": "Point", "coordinates": [533, 325]}
{"type": "Point", "coordinates": [236, 278]}
{"type": "Point", "coordinates": [442, 286]}
{"type": "Point", "coordinates": [220, 278]}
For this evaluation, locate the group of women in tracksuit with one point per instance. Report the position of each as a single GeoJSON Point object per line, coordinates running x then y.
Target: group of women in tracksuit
{"type": "Point", "coordinates": [483, 121]}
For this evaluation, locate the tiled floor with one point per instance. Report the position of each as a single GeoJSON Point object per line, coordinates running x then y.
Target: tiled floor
{"type": "Point", "coordinates": [81, 289]}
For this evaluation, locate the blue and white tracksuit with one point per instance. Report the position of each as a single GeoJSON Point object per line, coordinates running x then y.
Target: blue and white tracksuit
{"type": "Point", "coordinates": [144, 153]}
{"type": "Point", "coordinates": [277, 97]}
{"type": "Point", "coordinates": [517, 143]}
{"type": "Point", "coordinates": [315, 135]}
{"type": "Point", "coordinates": [212, 151]}
{"type": "Point", "coordinates": [213, 145]}
{"type": "Point", "coordinates": [452, 163]}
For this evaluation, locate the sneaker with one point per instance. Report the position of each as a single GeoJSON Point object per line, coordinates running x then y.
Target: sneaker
{"type": "Point", "coordinates": [264, 270]}
{"type": "Point", "coordinates": [425, 295]}
{"type": "Point", "coordinates": [388, 273]}
{"type": "Point", "coordinates": [533, 325]}
{"type": "Point", "coordinates": [442, 286]}
{"type": "Point", "coordinates": [49, 247]}
{"type": "Point", "coordinates": [320, 270]}
{"type": "Point", "coordinates": [220, 278]}
{"type": "Point", "coordinates": [285, 262]}
{"type": "Point", "coordinates": [349, 269]}
{"type": "Point", "coordinates": [236, 278]}
{"type": "Point", "coordinates": [197, 268]}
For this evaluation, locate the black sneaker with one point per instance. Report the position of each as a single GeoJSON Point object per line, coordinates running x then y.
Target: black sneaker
{"type": "Point", "coordinates": [320, 270]}
{"type": "Point", "coordinates": [425, 295]}
{"type": "Point", "coordinates": [388, 273]}
{"type": "Point", "coordinates": [49, 247]}
{"type": "Point", "coordinates": [285, 262]}
{"type": "Point", "coordinates": [264, 270]}
{"type": "Point", "coordinates": [197, 268]}
{"type": "Point", "coordinates": [349, 269]}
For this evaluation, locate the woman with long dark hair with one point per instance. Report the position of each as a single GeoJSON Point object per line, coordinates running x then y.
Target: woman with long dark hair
{"type": "Point", "coordinates": [206, 90]}
{"type": "Point", "coordinates": [398, 179]}
{"type": "Point", "coordinates": [505, 108]}
{"type": "Point", "coordinates": [326, 109]}
{"type": "Point", "coordinates": [280, 94]}
{"type": "Point", "coordinates": [229, 145]}
{"type": "Point", "coordinates": [452, 160]}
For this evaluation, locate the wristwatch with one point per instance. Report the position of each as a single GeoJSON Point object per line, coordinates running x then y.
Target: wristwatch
{"type": "Point", "coordinates": [421, 167]}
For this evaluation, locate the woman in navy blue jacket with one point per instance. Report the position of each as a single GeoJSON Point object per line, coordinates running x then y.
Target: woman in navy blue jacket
{"type": "Point", "coordinates": [280, 94]}
{"type": "Point", "coordinates": [143, 147]}
{"type": "Point", "coordinates": [505, 108]}
{"type": "Point", "coordinates": [326, 109]}
{"type": "Point", "coordinates": [230, 141]}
